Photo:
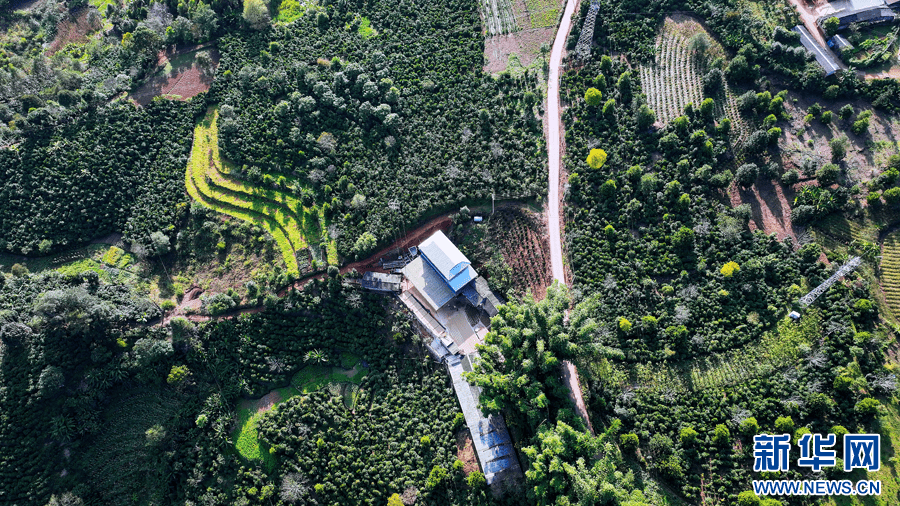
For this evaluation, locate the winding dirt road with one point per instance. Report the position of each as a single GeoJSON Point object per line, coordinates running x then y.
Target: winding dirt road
{"type": "Point", "coordinates": [554, 141]}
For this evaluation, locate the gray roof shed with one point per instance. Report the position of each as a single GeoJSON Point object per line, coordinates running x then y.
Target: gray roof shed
{"type": "Point", "coordinates": [824, 56]}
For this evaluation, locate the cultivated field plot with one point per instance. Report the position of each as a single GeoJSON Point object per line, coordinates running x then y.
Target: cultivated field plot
{"type": "Point", "coordinates": [182, 76]}
{"type": "Point", "coordinates": [890, 272]}
{"type": "Point", "coordinates": [525, 249]}
{"type": "Point", "coordinates": [211, 181]}
{"type": "Point", "coordinates": [542, 13]}
{"type": "Point", "coordinates": [776, 350]}
{"type": "Point", "coordinates": [498, 17]}
{"type": "Point", "coordinates": [674, 78]}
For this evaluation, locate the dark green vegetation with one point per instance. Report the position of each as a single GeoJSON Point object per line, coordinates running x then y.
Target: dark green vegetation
{"type": "Point", "coordinates": [144, 415]}
{"type": "Point", "coordinates": [690, 305]}
{"type": "Point", "coordinates": [114, 169]}
{"type": "Point", "coordinates": [356, 123]}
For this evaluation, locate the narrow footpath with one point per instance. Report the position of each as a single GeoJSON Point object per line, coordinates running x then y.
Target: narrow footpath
{"type": "Point", "coordinates": [554, 141]}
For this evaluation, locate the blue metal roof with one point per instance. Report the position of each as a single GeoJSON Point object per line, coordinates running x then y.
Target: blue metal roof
{"type": "Point", "coordinates": [447, 260]}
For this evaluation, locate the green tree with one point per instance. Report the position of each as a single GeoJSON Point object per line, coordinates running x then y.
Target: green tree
{"type": "Point", "coordinates": [256, 14]}
{"type": "Point", "coordinates": [593, 97]}
{"type": "Point", "coordinates": [644, 118]}
{"type": "Point", "coordinates": [831, 25]}
{"type": "Point", "coordinates": [721, 434]}
{"type": "Point", "coordinates": [518, 367]}
{"type": "Point", "coordinates": [784, 425]}
{"type": "Point", "coordinates": [394, 500]}
{"type": "Point", "coordinates": [747, 174]}
{"type": "Point", "coordinates": [827, 175]}
{"type": "Point", "coordinates": [364, 244]}
{"type": "Point", "coordinates": [867, 406]}
{"type": "Point", "coordinates": [688, 435]}
{"type": "Point", "coordinates": [476, 480]}
{"type": "Point", "coordinates": [596, 158]}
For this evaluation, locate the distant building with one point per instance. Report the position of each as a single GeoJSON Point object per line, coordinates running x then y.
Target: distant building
{"type": "Point", "coordinates": [839, 44]}
{"type": "Point", "coordinates": [380, 282]}
{"type": "Point", "coordinates": [440, 272]}
{"type": "Point", "coordinates": [824, 57]}
{"type": "Point", "coordinates": [869, 16]}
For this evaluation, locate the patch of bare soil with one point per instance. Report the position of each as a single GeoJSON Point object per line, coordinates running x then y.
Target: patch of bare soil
{"type": "Point", "coordinates": [181, 76]}
{"type": "Point", "coordinates": [770, 207]}
{"type": "Point", "coordinates": [262, 404]}
{"type": "Point", "coordinates": [522, 238]}
{"type": "Point", "coordinates": [75, 28]}
{"type": "Point", "coordinates": [524, 45]}
{"type": "Point", "coordinates": [465, 451]}
{"type": "Point", "coordinates": [867, 154]}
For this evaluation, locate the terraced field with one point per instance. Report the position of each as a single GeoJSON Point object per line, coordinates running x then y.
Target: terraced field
{"type": "Point", "coordinates": [211, 181]}
{"type": "Point", "coordinates": [890, 271]}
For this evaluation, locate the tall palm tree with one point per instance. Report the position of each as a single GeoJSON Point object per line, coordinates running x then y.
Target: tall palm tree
{"type": "Point", "coordinates": [315, 356]}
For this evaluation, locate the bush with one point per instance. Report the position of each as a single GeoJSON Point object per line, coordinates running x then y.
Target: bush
{"type": "Point", "coordinates": [747, 174]}
{"type": "Point", "coordinates": [730, 268]}
{"type": "Point", "coordinates": [828, 174]}
{"type": "Point", "coordinates": [784, 425]}
{"type": "Point", "coordinates": [476, 480]}
{"type": "Point", "coordinates": [867, 406]}
{"type": "Point", "coordinates": [831, 92]}
{"type": "Point", "coordinates": [596, 158]}
{"type": "Point", "coordinates": [593, 97]}
{"type": "Point", "coordinates": [892, 196]}
{"type": "Point", "coordinates": [629, 441]}
{"type": "Point", "coordinates": [826, 117]}
{"type": "Point", "coordinates": [838, 147]}
{"type": "Point", "coordinates": [790, 177]}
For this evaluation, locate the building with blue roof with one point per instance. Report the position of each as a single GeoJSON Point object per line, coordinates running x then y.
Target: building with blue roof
{"type": "Point", "coordinates": [440, 272]}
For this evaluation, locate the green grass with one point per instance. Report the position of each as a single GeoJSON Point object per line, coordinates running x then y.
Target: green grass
{"type": "Point", "coordinates": [206, 145]}
{"type": "Point", "coordinates": [542, 13]}
{"type": "Point", "coordinates": [209, 180]}
{"type": "Point", "coordinates": [309, 379]}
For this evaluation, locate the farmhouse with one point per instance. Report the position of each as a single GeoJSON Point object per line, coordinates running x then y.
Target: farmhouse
{"type": "Point", "coordinates": [869, 13]}
{"type": "Point", "coordinates": [380, 282]}
{"type": "Point", "coordinates": [440, 272]}
{"type": "Point", "coordinates": [824, 57]}
{"type": "Point", "coordinates": [451, 303]}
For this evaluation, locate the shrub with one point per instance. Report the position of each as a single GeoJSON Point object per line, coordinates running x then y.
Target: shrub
{"type": "Point", "coordinates": [828, 174]}
{"type": "Point", "coordinates": [867, 406]}
{"type": "Point", "coordinates": [596, 158]}
{"type": "Point", "coordinates": [688, 435]}
{"type": "Point", "coordinates": [730, 268]}
{"type": "Point", "coordinates": [476, 480]}
{"type": "Point", "coordinates": [892, 196]}
{"type": "Point", "coordinates": [629, 441]}
{"type": "Point", "coordinates": [593, 97]}
{"type": "Point", "coordinates": [790, 177]}
{"type": "Point", "coordinates": [826, 117]}
{"type": "Point", "coordinates": [721, 435]}
{"type": "Point", "coordinates": [784, 425]}
{"type": "Point", "coordinates": [746, 174]}
{"type": "Point", "coordinates": [838, 147]}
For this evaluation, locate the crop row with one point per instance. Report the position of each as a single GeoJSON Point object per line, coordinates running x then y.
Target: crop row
{"type": "Point", "coordinates": [674, 79]}
{"type": "Point", "coordinates": [196, 182]}
{"type": "Point", "coordinates": [890, 271]}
